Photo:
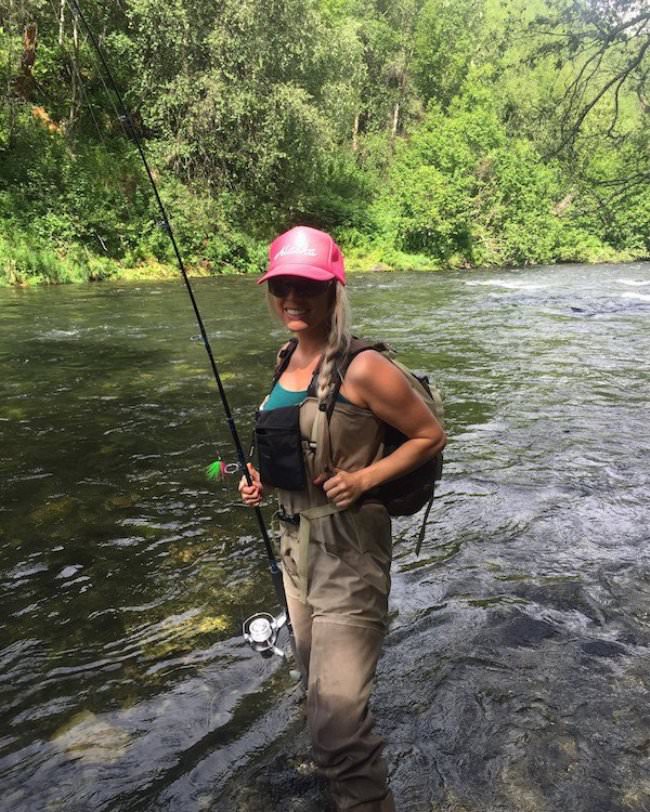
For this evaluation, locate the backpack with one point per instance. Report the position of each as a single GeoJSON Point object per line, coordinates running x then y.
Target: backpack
{"type": "Point", "coordinates": [410, 492]}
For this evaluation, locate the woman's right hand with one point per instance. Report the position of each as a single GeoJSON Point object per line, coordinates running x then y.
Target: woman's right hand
{"type": "Point", "coordinates": [251, 494]}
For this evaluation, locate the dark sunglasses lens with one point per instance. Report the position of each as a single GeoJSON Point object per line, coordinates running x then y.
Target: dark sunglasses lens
{"type": "Point", "coordinates": [277, 288]}
{"type": "Point", "coordinates": [301, 287]}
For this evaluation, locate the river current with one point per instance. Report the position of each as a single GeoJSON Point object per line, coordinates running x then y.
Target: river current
{"type": "Point", "coordinates": [516, 672]}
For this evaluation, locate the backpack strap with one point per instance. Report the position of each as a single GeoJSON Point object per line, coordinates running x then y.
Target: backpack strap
{"type": "Point", "coordinates": [281, 363]}
{"type": "Point", "coordinates": [283, 358]}
{"type": "Point", "coordinates": [357, 346]}
{"type": "Point", "coordinates": [423, 526]}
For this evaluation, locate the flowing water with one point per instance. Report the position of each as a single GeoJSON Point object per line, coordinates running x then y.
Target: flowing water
{"type": "Point", "coordinates": [516, 673]}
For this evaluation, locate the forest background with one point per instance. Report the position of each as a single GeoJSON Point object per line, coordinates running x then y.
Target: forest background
{"type": "Point", "coordinates": [421, 133]}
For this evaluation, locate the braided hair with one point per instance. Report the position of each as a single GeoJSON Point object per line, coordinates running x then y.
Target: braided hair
{"type": "Point", "coordinates": [338, 342]}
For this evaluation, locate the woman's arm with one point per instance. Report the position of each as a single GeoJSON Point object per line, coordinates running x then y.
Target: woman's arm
{"type": "Point", "coordinates": [374, 383]}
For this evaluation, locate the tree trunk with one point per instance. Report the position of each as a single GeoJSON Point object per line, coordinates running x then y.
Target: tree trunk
{"type": "Point", "coordinates": [355, 133]}
{"type": "Point", "coordinates": [393, 130]}
{"type": "Point", "coordinates": [61, 22]}
{"type": "Point", "coordinates": [25, 81]}
{"type": "Point", "coordinates": [74, 73]}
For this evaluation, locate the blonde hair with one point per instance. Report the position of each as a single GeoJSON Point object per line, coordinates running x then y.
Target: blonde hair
{"type": "Point", "coordinates": [338, 340]}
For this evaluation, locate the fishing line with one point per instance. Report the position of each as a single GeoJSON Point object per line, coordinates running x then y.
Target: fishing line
{"type": "Point", "coordinates": [262, 624]}
{"type": "Point", "coordinates": [217, 470]}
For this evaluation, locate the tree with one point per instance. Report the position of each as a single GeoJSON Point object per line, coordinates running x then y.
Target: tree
{"type": "Point", "coordinates": [447, 41]}
{"type": "Point", "coordinates": [607, 44]}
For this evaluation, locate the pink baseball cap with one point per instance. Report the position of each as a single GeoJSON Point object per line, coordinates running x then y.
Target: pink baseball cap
{"type": "Point", "coordinates": [305, 252]}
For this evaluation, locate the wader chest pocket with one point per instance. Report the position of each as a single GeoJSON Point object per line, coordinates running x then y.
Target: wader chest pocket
{"type": "Point", "coordinates": [279, 448]}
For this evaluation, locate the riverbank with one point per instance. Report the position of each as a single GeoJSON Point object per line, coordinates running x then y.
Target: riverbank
{"type": "Point", "coordinates": [48, 267]}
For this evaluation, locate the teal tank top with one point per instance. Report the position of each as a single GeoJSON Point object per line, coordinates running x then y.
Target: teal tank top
{"type": "Point", "coordinates": [290, 397]}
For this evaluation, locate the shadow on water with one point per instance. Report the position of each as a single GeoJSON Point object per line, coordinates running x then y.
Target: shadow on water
{"type": "Point", "coordinates": [519, 638]}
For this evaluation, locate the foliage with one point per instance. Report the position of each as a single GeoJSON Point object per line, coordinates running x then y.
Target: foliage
{"type": "Point", "coordinates": [420, 132]}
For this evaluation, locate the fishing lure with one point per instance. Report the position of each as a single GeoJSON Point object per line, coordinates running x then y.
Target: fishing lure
{"type": "Point", "coordinates": [220, 469]}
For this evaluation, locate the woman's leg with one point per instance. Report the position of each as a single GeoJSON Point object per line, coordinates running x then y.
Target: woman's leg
{"type": "Point", "coordinates": [341, 673]}
{"type": "Point", "coordinates": [301, 621]}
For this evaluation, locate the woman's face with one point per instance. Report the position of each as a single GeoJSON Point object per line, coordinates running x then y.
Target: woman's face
{"type": "Point", "coordinates": [302, 304]}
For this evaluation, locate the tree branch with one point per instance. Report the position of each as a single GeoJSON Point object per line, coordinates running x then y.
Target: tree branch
{"type": "Point", "coordinates": [620, 78]}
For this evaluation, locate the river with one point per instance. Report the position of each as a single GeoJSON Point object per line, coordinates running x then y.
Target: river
{"type": "Point", "coordinates": [515, 676]}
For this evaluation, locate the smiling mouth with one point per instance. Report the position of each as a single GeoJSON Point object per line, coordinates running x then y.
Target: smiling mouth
{"type": "Point", "coordinates": [291, 312]}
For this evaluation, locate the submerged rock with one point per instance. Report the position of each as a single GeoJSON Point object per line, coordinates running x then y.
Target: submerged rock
{"type": "Point", "coordinates": [91, 740]}
{"type": "Point", "coordinates": [603, 648]}
{"type": "Point", "coordinates": [526, 631]}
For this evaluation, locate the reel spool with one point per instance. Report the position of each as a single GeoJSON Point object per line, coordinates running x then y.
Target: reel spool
{"type": "Point", "coordinates": [261, 633]}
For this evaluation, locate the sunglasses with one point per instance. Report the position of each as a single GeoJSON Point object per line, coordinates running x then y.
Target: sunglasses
{"type": "Point", "coordinates": [306, 288]}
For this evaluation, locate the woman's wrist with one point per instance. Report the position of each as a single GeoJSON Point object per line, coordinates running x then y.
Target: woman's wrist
{"type": "Point", "coordinates": [366, 480]}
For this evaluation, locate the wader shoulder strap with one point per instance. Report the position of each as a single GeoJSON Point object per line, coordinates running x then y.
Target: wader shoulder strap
{"type": "Point", "coordinates": [321, 442]}
{"type": "Point", "coordinates": [320, 432]}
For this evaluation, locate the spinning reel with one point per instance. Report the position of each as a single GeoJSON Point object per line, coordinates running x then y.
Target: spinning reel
{"type": "Point", "coordinates": [261, 633]}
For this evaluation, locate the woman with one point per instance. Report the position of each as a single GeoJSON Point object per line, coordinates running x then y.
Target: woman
{"type": "Point", "coordinates": [335, 534]}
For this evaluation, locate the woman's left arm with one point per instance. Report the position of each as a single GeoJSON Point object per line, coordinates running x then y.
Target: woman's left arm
{"type": "Point", "coordinates": [374, 383]}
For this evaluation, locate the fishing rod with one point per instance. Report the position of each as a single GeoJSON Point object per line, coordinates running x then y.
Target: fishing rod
{"type": "Point", "coordinates": [262, 629]}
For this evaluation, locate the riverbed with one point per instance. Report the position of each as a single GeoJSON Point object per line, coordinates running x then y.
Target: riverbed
{"type": "Point", "coordinates": [516, 671]}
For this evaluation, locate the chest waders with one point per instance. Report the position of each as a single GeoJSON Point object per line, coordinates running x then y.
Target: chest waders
{"type": "Point", "coordinates": [295, 444]}
{"type": "Point", "coordinates": [336, 569]}
{"type": "Point", "coordinates": [260, 630]}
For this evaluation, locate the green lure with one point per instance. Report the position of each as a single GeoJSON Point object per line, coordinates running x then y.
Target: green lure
{"type": "Point", "coordinates": [216, 470]}
{"type": "Point", "coordinates": [220, 469]}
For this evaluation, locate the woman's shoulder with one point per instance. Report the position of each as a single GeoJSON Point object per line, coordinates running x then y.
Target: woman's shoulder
{"type": "Point", "coordinates": [366, 366]}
